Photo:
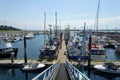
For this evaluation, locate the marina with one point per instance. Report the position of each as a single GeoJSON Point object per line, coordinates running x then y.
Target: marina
{"type": "Point", "coordinates": [71, 44]}
{"type": "Point", "coordinates": [61, 58]}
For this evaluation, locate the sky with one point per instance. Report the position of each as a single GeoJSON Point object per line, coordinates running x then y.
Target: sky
{"type": "Point", "coordinates": [29, 14]}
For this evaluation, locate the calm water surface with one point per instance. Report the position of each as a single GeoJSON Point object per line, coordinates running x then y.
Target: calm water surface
{"type": "Point", "coordinates": [33, 46]}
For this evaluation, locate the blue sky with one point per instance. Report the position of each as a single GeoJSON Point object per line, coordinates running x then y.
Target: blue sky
{"type": "Point", "coordinates": [29, 14]}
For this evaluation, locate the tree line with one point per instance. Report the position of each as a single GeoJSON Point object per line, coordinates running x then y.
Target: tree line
{"type": "Point", "coordinates": [5, 27]}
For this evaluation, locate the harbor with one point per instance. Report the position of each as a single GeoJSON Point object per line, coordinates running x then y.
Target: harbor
{"type": "Point", "coordinates": [59, 40]}
{"type": "Point", "coordinates": [62, 58]}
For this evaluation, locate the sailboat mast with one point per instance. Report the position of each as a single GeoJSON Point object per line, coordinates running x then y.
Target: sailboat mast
{"type": "Point", "coordinates": [97, 16]}
{"type": "Point", "coordinates": [44, 26]}
{"type": "Point", "coordinates": [83, 40]}
{"type": "Point", "coordinates": [56, 23]}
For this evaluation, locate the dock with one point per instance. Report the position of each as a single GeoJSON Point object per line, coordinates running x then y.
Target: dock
{"type": "Point", "coordinates": [16, 64]}
{"type": "Point", "coordinates": [95, 62]}
{"type": "Point", "coordinates": [62, 73]}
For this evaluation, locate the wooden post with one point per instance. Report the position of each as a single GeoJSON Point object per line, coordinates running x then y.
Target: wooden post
{"type": "Point", "coordinates": [25, 55]}
{"type": "Point", "coordinates": [12, 57]}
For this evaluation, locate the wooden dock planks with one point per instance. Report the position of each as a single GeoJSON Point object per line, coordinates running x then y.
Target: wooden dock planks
{"type": "Point", "coordinates": [61, 57]}
{"type": "Point", "coordinates": [62, 73]}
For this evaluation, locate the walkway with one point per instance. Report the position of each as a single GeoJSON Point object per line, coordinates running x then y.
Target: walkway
{"type": "Point", "coordinates": [62, 73]}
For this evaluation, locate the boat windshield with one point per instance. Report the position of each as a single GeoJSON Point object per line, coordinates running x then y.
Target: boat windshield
{"type": "Point", "coordinates": [112, 66]}
{"type": "Point", "coordinates": [97, 52]}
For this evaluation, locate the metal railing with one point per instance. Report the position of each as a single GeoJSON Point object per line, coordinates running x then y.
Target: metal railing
{"type": "Point", "coordinates": [49, 73]}
{"type": "Point", "coordinates": [74, 73]}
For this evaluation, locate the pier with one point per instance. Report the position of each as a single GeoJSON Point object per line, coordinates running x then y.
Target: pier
{"type": "Point", "coordinates": [62, 73]}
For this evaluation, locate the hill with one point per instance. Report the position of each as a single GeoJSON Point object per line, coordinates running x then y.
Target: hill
{"type": "Point", "coordinates": [5, 27]}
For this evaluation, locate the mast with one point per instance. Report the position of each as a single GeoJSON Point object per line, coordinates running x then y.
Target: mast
{"type": "Point", "coordinates": [50, 37]}
{"type": "Point", "coordinates": [97, 16]}
{"type": "Point", "coordinates": [83, 41]}
{"type": "Point", "coordinates": [44, 26]}
{"type": "Point", "coordinates": [56, 24]}
{"type": "Point", "coordinates": [89, 55]}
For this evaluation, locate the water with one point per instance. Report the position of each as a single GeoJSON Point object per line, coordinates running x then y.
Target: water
{"type": "Point", "coordinates": [15, 74]}
{"type": "Point", "coordinates": [111, 55]}
{"type": "Point", "coordinates": [95, 75]}
{"type": "Point", "coordinates": [33, 46]}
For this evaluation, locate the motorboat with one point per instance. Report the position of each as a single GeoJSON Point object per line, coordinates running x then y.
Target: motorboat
{"type": "Point", "coordinates": [50, 48]}
{"type": "Point", "coordinates": [30, 36]}
{"type": "Point", "coordinates": [48, 52]}
{"type": "Point", "coordinates": [15, 39]}
{"type": "Point", "coordinates": [6, 50]}
{"type": "Point", "coordinates": [33, 66]}
{"type": "Point", "coordinates": [98, 52]}
{"type": "Point", "coordinates": [108, 68]}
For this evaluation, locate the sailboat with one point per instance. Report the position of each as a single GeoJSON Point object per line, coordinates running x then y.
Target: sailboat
{"type": "Point", "coordinates": [97, 49]}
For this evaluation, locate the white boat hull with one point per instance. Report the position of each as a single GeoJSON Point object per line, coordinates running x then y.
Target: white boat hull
{"type": "Point", "coordinates": [32, 67]}
{"type": "Point", "coordinates": [104, 69]}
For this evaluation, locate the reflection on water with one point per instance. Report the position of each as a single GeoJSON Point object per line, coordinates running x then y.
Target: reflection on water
{"type": "Point", "coordinates": [26, 76]}
{"type": "Point", "coordinates": [15, 74]}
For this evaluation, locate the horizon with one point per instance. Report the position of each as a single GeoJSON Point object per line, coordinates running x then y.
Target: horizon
{"type": "Point", "coordinates": [29, 14]}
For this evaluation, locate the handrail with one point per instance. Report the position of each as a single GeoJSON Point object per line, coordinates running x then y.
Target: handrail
{"type": "Point", "coordinates": [49, 73]}
{"type": "Point", "coordinates": [74, 73]}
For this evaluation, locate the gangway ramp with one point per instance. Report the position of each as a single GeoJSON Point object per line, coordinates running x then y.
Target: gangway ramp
{"type": "Point", "coordinates": [61, 69]}
{"type": "Point", "coordinates": [62, 73]}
